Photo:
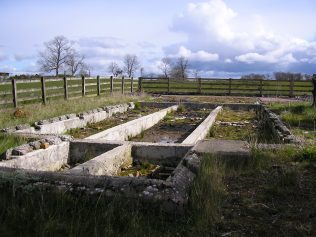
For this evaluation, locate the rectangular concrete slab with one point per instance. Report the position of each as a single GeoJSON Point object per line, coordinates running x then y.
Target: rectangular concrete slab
{"type": "Point", "coordinates": [108, 163]}
{"type": "Point", "coordinates": [224, 148]}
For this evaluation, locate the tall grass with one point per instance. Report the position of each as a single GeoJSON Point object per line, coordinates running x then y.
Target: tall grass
{"type": "Point", "coordinates": [207, 193]}
{"type": "Point", "coordinates": [9, 141]}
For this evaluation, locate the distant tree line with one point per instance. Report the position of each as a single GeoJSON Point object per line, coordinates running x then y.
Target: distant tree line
{"type": "Point", "coordinates": [60, 56]}
{"type": "Point", "coordinates": [278, 76]}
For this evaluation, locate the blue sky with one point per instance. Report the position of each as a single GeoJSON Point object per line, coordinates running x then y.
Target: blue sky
{"type": "Point", "coordinates": [221, 38]}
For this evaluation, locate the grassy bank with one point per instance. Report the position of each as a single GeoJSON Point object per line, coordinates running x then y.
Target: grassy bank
{"type": "Point", "coordinates": [273, 195]}
{"type": "Point", "coordinates": [300, 117]}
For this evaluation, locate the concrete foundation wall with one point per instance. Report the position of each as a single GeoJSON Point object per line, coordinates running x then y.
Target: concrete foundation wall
{"type": "Point", "coordinates": [109, 163]}
{"type": "Point", "coordinates": [79, 150]}
{"type": "Point", "coordinates": [59, 125]}
{"type": "Point", "coordinates": [132, 128]}
{"type": "Point", "coordinates": [159, 154]}
{"type": "Point", "coordinates": [277, 127]}
{"type": "Point", "coordinates": [50, 159]}
{"type": "Point", "coordinates": [201, 131]}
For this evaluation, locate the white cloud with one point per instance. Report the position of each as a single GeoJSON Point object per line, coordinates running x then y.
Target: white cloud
{"type": "Point", "coordinates": [214, 26]}
{"type": "Point", "coordinates": [201, 55]}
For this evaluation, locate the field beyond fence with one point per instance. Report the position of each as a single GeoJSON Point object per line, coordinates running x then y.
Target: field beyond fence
{"type": "Point", "coordinates": [18, 92]}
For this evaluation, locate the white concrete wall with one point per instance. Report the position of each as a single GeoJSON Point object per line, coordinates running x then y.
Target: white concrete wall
{"type": "Point", "coordinates": [60, 127]}
{"type": "Point", "coordinates": [132, 128]}
{"type": "Point", "coordinates": [109, 163]}
{"type": "Point", "coordinates": [201, 131]}
{"type": "Point", "coordinates": [50, 159]}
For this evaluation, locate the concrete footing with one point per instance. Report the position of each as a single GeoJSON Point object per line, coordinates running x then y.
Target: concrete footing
{"type": "Point", "coordinates": [202, 130]}
{"type": "Point", "coordinates": [132, 128]}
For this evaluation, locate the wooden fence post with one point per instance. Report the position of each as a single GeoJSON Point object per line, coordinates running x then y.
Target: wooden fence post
{"type": "Point", "coordinates": [261, 87]}
{"type": "Point", "coordinates": [83, 83]}
{"type": "Point", "coordinates": [14, 93]}
{"type": "Point", "coordinates": [292, 87]}
{"type": "Point", "coordinates": [98, 86]}
{"type": "Point", "coordinates": [43, 90]}
{"type": "Point", "coordinates": [168, 84]}
{"type": "Point", "coordinates": [111, 84]}
{"type": "Point", "coordinates": [314, 90]}
{"type": "Point", "coordinates": [132, 84]}
{"type": "Point", "coordinates": [199, 85]}
{"type": "Point", "coordinates": [123, 82]}
{"type": "Point", "coordinates": [65, 88]}
{"type": "Point", "coordinates": [229, 86]}
{"type": "Point", "coordinates": [140, 86]}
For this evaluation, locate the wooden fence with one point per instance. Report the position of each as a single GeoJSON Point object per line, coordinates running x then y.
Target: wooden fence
{"type": "Point", "coordinates": [42, 90]}
{"type": "Point", "coordinates": [237, 87]}
{"type": "Point", "coordinates": [19, 92]}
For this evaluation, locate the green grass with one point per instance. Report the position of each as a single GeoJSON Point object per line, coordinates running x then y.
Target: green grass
{"type": "Point", "coordinates": [252, 132]}
{"type": "Point", "coordinates": [9, 141]}
{"type": "Point", "coordinates": [300, 117]}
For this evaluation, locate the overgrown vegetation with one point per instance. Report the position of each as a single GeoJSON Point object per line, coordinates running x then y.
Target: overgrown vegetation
{"type": "Point", "coordinates": [224, 201]}
{"type": "Point", "coordinates": [240, 125]}
{"type": "Point", "coordinates": [300, 117]}
{"type": "Point", "coordinates": [296, 114]}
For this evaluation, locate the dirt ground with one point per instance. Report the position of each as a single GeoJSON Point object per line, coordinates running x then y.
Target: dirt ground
{"type": "Point", "coordinates": [276, 201]}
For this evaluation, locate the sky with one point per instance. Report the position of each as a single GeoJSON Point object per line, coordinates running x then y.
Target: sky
{"type": "Point", "coordinates": [220, 38]}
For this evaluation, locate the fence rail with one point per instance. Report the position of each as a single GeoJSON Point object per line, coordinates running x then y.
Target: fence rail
{"type": "Point", "coordinates": [19, 92]}
{"type": "Point", "coordinates": [42, 90]}
{"type": "Point", "coordinates": [238, 87]}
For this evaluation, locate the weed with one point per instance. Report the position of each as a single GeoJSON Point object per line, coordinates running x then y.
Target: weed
{"type": "Point", "coordinates": [138, 105]}
{"type": "Point", "coordinates": [181, 108]}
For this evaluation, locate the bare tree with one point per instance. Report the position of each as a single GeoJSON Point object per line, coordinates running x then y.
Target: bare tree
{"type": "Point", "coordinates": [180, 69]}
{"type": "Point", "coordinates": [254, 76]}
{"type": "Point", "coordinates": [75, 61]}
{"type": "Point", "coordinates": [55, 54]}
{"type": "Point", "coordinates": [85, 70]}
{"type": "Point", "coordinates": [131, 64]}
{"type": "Point", "coordinates": [165, 66]}
{"type": "Point", "coordinates": [115, 69]}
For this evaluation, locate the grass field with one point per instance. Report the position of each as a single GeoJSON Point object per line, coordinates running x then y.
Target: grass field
{"type": "Point", "coordinates": [274, 195]}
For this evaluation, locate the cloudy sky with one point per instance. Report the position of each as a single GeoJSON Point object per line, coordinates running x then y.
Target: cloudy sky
{"type": "Point", "coordinates": [221, 38]}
